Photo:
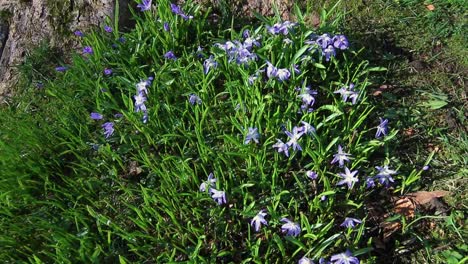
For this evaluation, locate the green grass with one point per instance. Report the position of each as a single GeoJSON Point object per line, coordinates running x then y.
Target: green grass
{"type": "Point", "coordinates": [68, 194]}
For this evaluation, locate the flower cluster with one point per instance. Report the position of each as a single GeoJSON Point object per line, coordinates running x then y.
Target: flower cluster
{"type": "Point", "coordinates": [348, 92]}
{"type": "Point", "coordinates": [279, 74]}
{"type": "Point", "coordinates": [140, 98]}
{"type": "Point", "coordinates": [281, 28]}
{"type": "Point", "coordinates": [241, 53]}
{"type": "Point", "coordinates": [328, 44]}
{"type": "Point", "coordinates": [294, 136]}
{"type": "Point", "coordinates": [107, 126]}
{"type": "Point", "coordinates": [209, 184]}
{"type": "Point", "coordinates": [307, 96]}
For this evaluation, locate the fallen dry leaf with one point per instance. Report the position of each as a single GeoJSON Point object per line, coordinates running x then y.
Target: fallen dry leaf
{"type": "Point", "coordinates": [409, 131]}
{"type": "Point", "coordinates": [389, 228]}
{"type": "Point", "coordinates": [423, 197]}
{"type": "Point", "coordinates": [430, 7]}
{"type": "Point", "coordinates": [405, 207]}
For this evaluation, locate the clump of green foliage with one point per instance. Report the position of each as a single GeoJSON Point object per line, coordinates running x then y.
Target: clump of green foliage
{"type": "Point", "coordinates": [135, 125]}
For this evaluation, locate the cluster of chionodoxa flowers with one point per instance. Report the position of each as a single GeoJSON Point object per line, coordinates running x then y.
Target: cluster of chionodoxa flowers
{"type": "Point", "coordinates": [243, 53]}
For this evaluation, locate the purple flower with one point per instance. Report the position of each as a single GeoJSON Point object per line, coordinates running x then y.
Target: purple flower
{"type": "Point", "coordinates": [426, 167]}
{"type": "Point", "coordinates": [209, 63]}
{"type": "Point", "coordinates": [108, 29]}
{"type": "Point", "coordinates": [340, 42]}
{"type": "Point", "coordinates": [340, 157]}
{"type": "Point", "coordinates": [141, 87]}
{"type": "Point", "coordinates": [305, 260]}
{"type": "Point", "coordinates": [324, 41]}
{"type": "Point", "coordinates": [252, 79]}
{"type": "Point", "coordinates": [218, 196]}
{"type": "Point", "coordinates": [290, 228]}
{"type": "Point", "coordinates": [79, 33]}
{"type": "Point", "coordinates": [246, 33]}
{"type": "Point", "coordinates": [178, 11]}
{"type": "Point", "coordinates": [166, 27]}
{"type": "Point", "coordinates": [350, 222]}
{"type": "Point", "coordinates": [208, 183]}
{"type": "Point", "coordinates": [348, 92]}
{"type": "Point", "coordinates": [118, 115]}
{"type": "Point", "coordinates": [271, 70]}
{"type": "Point", "coordinates": [306, 128]}
{"type": "Point", "coordinates": [140, 100]}
{"type": "Point", "coordinates": [87, 50]}
{"type": "Point", "coordinates": [252, 134]}
{"type": "Point", "coordinates": [344, 258]}
{"type": "Point", "coordinates": [329, 52]}
{"type": "Point", "coordinates": [296, 69]}
{"type": "Point", "coordinates": [145, 5]}
{"type": "Point", "coordinates": [108, 129]}
{"type": "Point", "coordinates": [96, 116]}
{"type": "Point", "coordinates": [282, 147]}
{"type": "Point", "coordinates": [121, 40]}
{"type": "Point", "coordinates": [194, 99]}
{"type": "Point", "coordinates": [294, 137]}
{"type": "Point", "coordinates": [311, 175]}
{"type": "Point", "coordinates": [107, 71]}
{"type": "Point", "coordinates": [370, 183]}
{"type": "Point", "coordinates": [384, 176]}
{"type": "Point", "coordinates": [283, 74]}
{"type": "Point", "coordinates": [170, 55]}
{"type": "Point", "coordinates": [382, 128]}
{"type": "Point", "coordinates": [281, 28]}
{"type": "Point", "coordinates": [61, 68]}
{"type": "Point", "coordinates": [349, 178]}
{"type": "Point", "coordinates": [258, 220]}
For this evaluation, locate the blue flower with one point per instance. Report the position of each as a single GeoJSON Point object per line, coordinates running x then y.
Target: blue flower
{"type": "Point", "coordinates": [348, 92]}
{"type": "Point", "coordinates": [170, 55]}
{"type": "Point", "coordinates": [252, 135]}
{"type": "Point", "coordinates": [382, 128]}
{"type": "Point", "coordinates": [283, 74]}
{"type": "Point", "coordinates": [271, 70]}
{"type": "Point", "coordinates": [329, 52]}
{"type": "Point", "coordinates": [166, 27]}
{"type": "Point", "coordinates": [194, 99]}
{"type": "Point", "coordinates": [108, 129]}
{"type": "Point", "coordinates": [79, 33]}
{"type": "Point", "coordinates": [88, 50]}
{"type": "Point", "coordinates": [258, 220]}
{"type": "Point", "coordinates": [349, 178]}
{"type": "Point", "coordinates": [218, 196]}
{"type": "Point", "coordinates": [281, 28]}
{"type": "Point", "coordinates": [140, 100]}
{"type": "Point", "coordinates": [294, 137]}
{"type": "Point", "coordinates": [305, 260]}
{"type": "Point", "coordinates": [340, 157]}
{"type": "Point", "coordinates": [384, 176]}
{"type": "Point", "coordinates": [324, 41]}
{"type": "Point", "coordinates": [350, 222]}
{"type": "Point", "coordinates": [96, 116]}
{"type": "Point", "coordinates": [282, 147]}
{"type": "Point", "coordinates": [145, 5]}
{"type": "Point", "coordinates": [208, 183]}
{"type": "Point", "coordinates": [340, 42]}
{"type": "Point", "coordinates": [108, 29]}
{"type": "Point", "coordinates": [344, 258]}
{"type": "Point", "coordinates": [178, 11]}
{"type": "Point", "coordinates": [290, 228]}
{"type": "Point", "coordinates": [370, 183]}
{"type": "Point", "coordinates": [107, 71]}
{"type": "Point", "coordinates": [209, 63]}
{"type": "Point", "coordinates": [306, 128]}
{"type": "Point", "coordinates": [61, 68]}
{"type": "Point", "coordinates": [311, 175]}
